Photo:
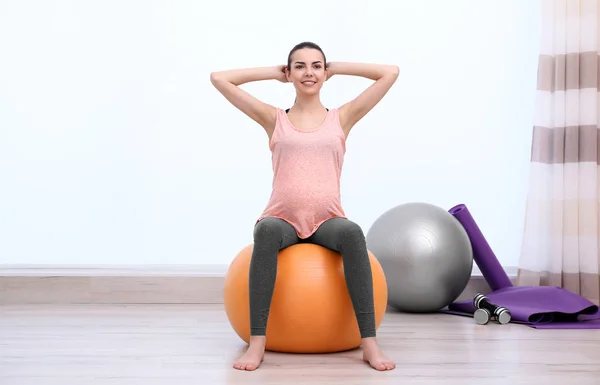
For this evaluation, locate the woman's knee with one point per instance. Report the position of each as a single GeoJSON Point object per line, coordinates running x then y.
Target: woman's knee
{"type": "Point", "coordinates": [351, 232]}
{"type": "Point", "coordinates": [268, 229]}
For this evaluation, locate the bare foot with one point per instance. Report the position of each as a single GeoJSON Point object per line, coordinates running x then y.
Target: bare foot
{"type": "Point", "coordinates": [374, 356]}
{"type": "Point", "coordinates": [253, 357]}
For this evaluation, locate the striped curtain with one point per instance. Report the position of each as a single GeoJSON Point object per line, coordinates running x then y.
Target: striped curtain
{"type": "Point", "coordinates": [561, 233]}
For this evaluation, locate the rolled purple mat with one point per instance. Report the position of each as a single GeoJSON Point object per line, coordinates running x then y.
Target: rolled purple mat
{"type": "Point", "coordinates": [483, 255]}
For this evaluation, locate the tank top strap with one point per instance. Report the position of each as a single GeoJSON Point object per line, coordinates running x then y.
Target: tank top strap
{"type": "Point", "coordinates": [282, 124]}
{"type": "Point", "coordinates": [333, 123]}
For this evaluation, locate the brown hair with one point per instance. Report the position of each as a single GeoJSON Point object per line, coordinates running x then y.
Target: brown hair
{"type": "Point", "coordinates": [305, 44]}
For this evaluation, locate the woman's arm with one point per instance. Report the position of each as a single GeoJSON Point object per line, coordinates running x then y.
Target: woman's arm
{"type": "Point", "coordinates": [384, 75]}
{"type": "Point", "coordinates": [228, 82]}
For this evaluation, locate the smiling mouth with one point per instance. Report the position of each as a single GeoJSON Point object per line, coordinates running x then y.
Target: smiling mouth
{"type": "Point", "coordinates": [309, 83]}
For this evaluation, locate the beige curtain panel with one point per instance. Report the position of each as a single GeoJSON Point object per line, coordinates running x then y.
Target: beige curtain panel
{"type": "Point", "coordinates": [561, 234]}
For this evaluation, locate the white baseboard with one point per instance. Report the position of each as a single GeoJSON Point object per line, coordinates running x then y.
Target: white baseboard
{"type": "Point", "coordinates": [208, 270]}
{"type": "Point", "coordinates": [44, 284]}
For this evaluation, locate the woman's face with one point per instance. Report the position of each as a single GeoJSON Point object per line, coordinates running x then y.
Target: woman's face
{"type": "Point", "coordinates": [307, 71]}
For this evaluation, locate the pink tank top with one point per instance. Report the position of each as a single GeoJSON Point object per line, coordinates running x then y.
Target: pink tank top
{"type": "Point", "coordinates": [307, 168]}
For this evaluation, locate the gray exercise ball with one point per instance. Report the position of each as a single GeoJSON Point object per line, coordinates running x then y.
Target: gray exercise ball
{"type": "Point", "coordinates": [425, 253]}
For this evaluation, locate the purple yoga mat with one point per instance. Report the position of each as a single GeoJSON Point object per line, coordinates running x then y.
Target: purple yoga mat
{"type": "Point", "coordinates": [483, 255]}
{"type": "Point", "coordinates": [542, 307]}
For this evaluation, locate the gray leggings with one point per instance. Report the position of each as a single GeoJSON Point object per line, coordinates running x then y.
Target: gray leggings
{"type": "Point", "coordinates": [339, 234]}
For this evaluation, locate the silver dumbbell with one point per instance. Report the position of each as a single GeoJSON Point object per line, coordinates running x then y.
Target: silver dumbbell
{"type": "Point", "coordinates": [485, 311]}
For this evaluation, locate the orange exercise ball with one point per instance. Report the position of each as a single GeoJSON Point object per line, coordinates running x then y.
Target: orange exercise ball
{"type": "Point", "coordinates": [311, 310]}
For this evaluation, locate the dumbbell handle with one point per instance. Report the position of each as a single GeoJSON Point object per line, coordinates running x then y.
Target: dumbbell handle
{"type": "Point", "coordinates": [501, 313]}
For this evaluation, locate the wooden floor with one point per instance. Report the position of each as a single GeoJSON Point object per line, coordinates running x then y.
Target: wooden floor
{"type": "Point", "coordinates": [194, 344]}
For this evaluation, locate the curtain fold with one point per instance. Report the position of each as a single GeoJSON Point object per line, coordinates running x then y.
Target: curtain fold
{"type": "Point", "coordinates": [561, 231]}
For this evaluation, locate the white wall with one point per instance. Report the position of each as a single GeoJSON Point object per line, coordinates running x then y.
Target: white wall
{"type": "Point", "coordinates": [115, 148]}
